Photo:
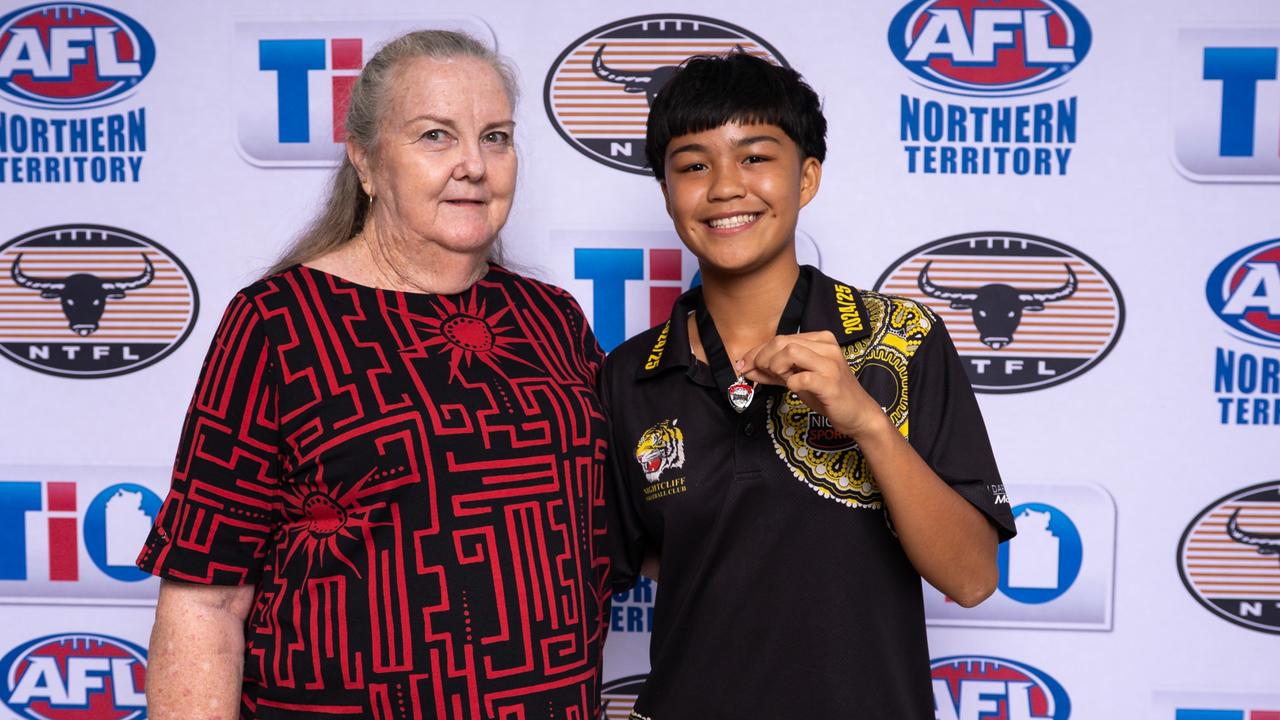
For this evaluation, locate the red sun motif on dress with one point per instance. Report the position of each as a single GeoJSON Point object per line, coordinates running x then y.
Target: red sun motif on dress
{"type": "Point", "coordinates": [325, 517]}
{"type": "Point", "coordinates": [468, 332]}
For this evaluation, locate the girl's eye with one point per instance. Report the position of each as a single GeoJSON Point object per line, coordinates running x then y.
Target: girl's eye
{"type": "Point", "coordinates": [756, 159]}
{"type": "Point", "coordinates": [693, 167]}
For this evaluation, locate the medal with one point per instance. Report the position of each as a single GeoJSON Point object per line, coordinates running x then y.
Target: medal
{"type": "Point", "coordinates": [740, 393]}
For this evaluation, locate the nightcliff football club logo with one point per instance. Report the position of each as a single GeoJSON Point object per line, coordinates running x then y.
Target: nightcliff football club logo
{"type": "Point", "coordinates": [599, 90]}
{"type": "Point", "coordinates": [1025, 312]}
{"type": "Point", "coordinates": [1229, 557]}
{"type": "Point", "coordinates": [89, 301]}
{"type": "Point", "coordinates": [661, 448]}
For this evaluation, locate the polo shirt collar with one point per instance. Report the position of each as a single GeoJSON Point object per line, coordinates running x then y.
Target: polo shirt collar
{"type": "Point", "coordinates": [830, 305]}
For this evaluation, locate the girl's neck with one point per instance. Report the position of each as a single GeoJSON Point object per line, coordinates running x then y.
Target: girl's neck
{"type": "Point", "coordinates": [746, 308]}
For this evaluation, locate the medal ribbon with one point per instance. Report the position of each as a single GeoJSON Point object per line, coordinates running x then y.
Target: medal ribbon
{"type": "Point", "coordinates": [713, 346]}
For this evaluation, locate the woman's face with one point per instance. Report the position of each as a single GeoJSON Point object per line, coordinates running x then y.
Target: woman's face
{"type": "Point", "coordinates": [444, 169]}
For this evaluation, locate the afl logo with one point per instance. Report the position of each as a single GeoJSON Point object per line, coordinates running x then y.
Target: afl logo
{"type": "Point", "coordinates": [1025, 312]}
{"type": "Point", "coordinates": [1009, 690]}
{"type": "Point", "coordinates": [958, 48]}
{"type": "Point", "coordinates": [87, 301]}
{"type": "Point", "coordinates": [76, 677]}
{"type": "Point", "coordinates": [599, 90]}
{"type": "Point", "coordinates": [618, 697]}
{"type": "Point", "coordinates": [1229, 557]}
{"type": "Point", "coordinates": [72, 55]}
{"type": "Point", "coordinates": [1244, 290]}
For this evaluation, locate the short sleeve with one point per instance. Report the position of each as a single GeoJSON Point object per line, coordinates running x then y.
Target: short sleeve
{"type": "Point", "coordinates": [219, 516]}
{"type": "Point", "coordinates": [627, 539]}
{"type": "Point", "coordinates": [948, 432]}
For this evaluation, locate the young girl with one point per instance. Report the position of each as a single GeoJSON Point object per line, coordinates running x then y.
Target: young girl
{"type": "Point", "coordinates": [804, 452]}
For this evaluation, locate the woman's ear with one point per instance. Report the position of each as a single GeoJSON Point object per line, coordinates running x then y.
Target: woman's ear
{"type": "Point", "coordinates": [810, 179]}
{"type": "Point", "coordinates": [360, 160]}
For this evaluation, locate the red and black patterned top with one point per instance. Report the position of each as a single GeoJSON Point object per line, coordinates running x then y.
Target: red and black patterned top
{"type": "Point", "coordinates": [413, 483]}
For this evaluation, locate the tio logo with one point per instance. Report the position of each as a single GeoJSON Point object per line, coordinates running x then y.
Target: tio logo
{"type": "Point", "coordinates": [116, 523]}
{"type": "Point", "coordinates": [1229, 129]}
{"type": "Point", "coordinates": [1201, 714]}
{"type": "Point", "coordinates": [1044, 560]}
{"type": "Point", "coordinates": [609, 269]}
{"type": "Point", "coordinates": [294, 81]}
{"type": "Point", "coordinates": [292, 61]}
{"type": "Point", "coordinates": [77, 676]}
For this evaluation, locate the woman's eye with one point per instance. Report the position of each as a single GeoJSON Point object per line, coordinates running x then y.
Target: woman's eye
{"type": "Point", "coordinates": [497, 138]}
{"type": "Point", "coordinates": [434, 135]}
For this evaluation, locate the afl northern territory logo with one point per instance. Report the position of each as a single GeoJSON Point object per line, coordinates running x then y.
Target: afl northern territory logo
{"type": "Point", "coordinates": [599, 90]}
{"type": "Point", "coordinates": [1229, 557]}
{"type": "Point", "coordinates": [1025, 312]}
{"type": "Point", "coordinates": [88, 301]}
{"type": "Point", "coordinates": [1244, 291]}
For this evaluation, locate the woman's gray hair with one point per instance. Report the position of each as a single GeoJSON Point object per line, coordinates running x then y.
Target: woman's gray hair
{"type": "Point", "coordinates": [343, 213]}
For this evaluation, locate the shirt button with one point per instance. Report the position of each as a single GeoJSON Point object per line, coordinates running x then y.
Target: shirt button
{"type": "Point", "coordinates": [749, 429]}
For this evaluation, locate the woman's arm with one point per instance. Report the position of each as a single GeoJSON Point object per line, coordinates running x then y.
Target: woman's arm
{"type": "Point", "coordinates": [949, 542]}
{"type": "Point", "coordinates": [196, 659]}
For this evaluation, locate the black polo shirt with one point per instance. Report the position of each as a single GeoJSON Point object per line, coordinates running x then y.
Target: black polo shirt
{"type": "Point", "coordinates": [784, 592]}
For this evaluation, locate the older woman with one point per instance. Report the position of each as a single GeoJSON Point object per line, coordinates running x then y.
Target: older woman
{"type": "Point", "coordinates": [386, 501]}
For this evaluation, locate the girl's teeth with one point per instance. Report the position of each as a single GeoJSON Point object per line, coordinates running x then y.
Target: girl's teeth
{"type": "Point", "coordinates": [733, 222]}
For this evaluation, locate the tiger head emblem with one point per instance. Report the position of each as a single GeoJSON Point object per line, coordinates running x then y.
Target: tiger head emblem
{"type": "Point", "coordinates": [661, 448]}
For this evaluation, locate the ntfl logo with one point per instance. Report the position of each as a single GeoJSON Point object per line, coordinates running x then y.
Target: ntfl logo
{"type": "Point", "coordinates": [295, 80]}
{"type": "Point", "coordinates": [1228, 128]}
{"type": "Point", "coordinates": [599, 90]}
{"type": "Point", "coordinates": [76, 676]}
{"type": "Point", "coordinates": [981, 687]}
{"type": "Point", "coordinates": [971, 47]}
{"type": "Point", "coordinates": [1229, 557]}
{"type": "Point", "coordinates": [1025, 312]}
{"type": "Point", "coordinates": [86, 301]}
{"type": "Point", "coordinates": [1244, 292]}
{"type": "Point", "coordinates": [618, 697]}
{"type": "Point", "coordinates": [72, 55]}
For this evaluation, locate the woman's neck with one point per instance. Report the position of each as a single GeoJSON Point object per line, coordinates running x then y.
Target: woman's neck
{"type": "Point", "coordinates": [392, 262]}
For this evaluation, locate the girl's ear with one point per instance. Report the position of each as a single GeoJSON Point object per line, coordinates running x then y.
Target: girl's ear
{"type": "Point", "coordinates": [810, 179]}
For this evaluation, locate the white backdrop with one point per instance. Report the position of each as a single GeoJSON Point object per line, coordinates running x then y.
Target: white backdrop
{"type": "Point", "coordinates": [1116, 462]}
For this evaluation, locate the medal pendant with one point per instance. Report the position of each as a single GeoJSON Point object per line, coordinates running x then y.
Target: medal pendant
{"type": "Point", "coordinates": [740, 393]}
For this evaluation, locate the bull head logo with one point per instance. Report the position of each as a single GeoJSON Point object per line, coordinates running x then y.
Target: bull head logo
{"type": "Point", "coordinates": [84, 296]}
{"type": "Point", "coordinates": [997, 308]}
{"type": "Point", "coordinates": [649, 83]}
{"type": "Point", "coordinates": [1266, 544]}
